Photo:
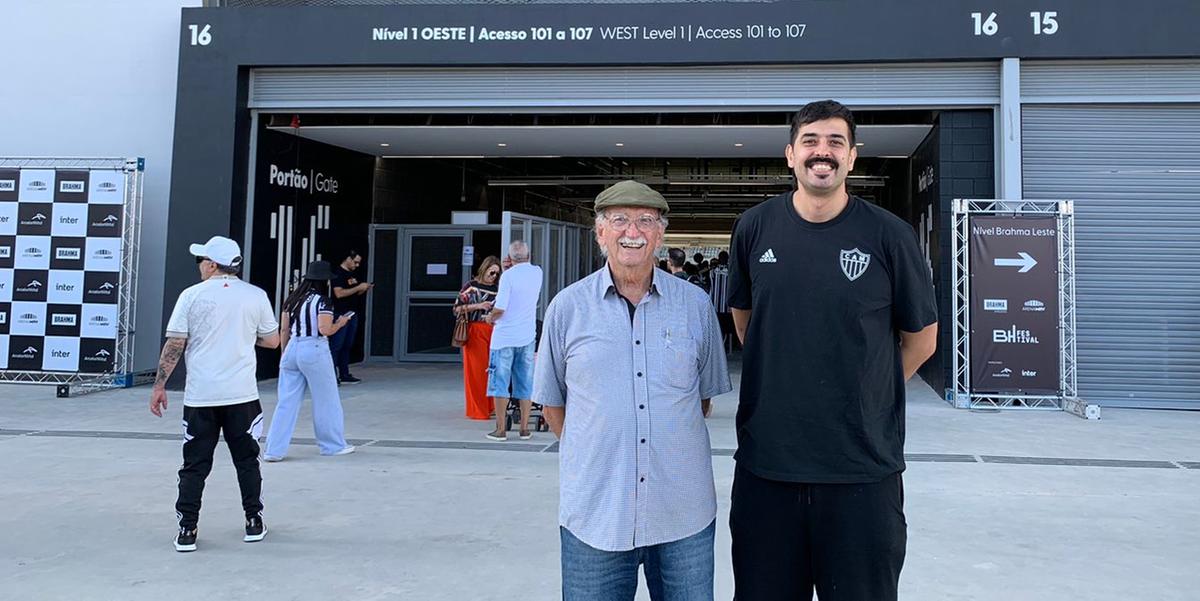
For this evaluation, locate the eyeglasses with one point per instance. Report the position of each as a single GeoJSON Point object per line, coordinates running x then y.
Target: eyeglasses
{"type": "Point", "coordinates": [645, 223]}
{"type": "Point", "coordinates": [200, 260]}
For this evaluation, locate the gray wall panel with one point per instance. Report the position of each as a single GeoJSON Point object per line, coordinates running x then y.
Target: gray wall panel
{"type": "Point", "coordinates": [725, 87]}
{"type": "Point", "coordinates": [1134, 172]}
{"type": "Point", "coordinates": [102, 108]}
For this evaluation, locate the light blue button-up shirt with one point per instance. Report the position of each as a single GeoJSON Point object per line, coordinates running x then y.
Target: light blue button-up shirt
{"type": "Point", "coordinates": [635, 464]}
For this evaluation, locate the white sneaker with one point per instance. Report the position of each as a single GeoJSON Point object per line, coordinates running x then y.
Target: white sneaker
{"type": "Point", "coordinates": [272, 458]}
{"type": "Point", "coordinates": [344, 451]}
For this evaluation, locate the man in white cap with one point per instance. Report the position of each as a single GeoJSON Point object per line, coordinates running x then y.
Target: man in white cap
{"type": "Point", "coordinates": [216, 325]}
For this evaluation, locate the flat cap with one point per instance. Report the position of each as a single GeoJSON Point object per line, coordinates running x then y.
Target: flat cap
{"type": "Point", "coordinates": [631, 194]}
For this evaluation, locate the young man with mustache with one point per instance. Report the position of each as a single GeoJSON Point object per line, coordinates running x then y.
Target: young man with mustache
{"type": "Point", "coordinates": [832, 299]}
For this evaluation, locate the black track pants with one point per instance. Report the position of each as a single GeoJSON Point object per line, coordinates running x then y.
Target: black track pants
{"type": "Point", "coordinates": [241, 425]}
{"type": "Point", "coordinates": [845, 541]}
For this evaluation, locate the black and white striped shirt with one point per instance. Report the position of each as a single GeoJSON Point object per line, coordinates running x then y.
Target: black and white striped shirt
{"type": "Point", "coordinates": [719, 290]}
{"type": "Point", "coordinates": [304, 316]}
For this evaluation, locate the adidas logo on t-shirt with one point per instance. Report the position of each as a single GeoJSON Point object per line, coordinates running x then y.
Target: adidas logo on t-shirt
{"type": "Point", "coordinates": [767, 257]}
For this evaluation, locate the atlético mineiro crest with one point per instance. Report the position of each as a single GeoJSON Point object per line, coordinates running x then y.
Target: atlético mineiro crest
{"type": "Point", "coordinates": [855, 263]}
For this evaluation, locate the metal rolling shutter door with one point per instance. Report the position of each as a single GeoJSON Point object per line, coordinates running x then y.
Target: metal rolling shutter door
{"type": "Point", "coordinates": [1134, 172]}
{"type": "Point", "coordinates": [646, 88]}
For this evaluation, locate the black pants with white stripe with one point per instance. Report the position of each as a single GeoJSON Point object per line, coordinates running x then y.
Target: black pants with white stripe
{"type": "Point", "coordinates": [242, 425]}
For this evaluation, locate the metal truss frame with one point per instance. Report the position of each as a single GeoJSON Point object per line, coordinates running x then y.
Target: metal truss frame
{"type": "Point", "coordinates": [961, 395]}
{"type": "Point", "coordinates": [131, 237]}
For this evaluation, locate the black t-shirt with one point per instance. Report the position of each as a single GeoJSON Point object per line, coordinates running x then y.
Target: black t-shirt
{"type": "Point", "coordinates": [822, 390]}
{"type": "Point", "coordinates": [344, 279]}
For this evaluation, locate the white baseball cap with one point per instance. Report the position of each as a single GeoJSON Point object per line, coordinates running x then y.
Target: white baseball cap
{"type": "Point", "coordinates": [220, 250]}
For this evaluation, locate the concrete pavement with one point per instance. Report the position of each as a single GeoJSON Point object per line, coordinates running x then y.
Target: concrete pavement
{"type": "Point", "coordinates": [1000, 505]}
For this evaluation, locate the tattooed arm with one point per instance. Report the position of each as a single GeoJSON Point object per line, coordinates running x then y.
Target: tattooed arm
{"type": "Point", "coordinates": [171, 352]}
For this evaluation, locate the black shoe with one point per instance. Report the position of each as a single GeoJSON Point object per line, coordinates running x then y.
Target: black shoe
{"type": "Point", "coordinates": [350, 380]}
{"type": "Point", "coordinates": [185, 541]}
{"type": "Point", "coordinates": [256, 530]}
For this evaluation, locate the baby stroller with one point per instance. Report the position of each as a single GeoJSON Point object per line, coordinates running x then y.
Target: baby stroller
{"type": "Point", "coordinates": [536, 419]}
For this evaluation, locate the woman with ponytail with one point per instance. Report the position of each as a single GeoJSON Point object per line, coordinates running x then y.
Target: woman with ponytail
{"type": "Point", "coordinates": [305, 326]}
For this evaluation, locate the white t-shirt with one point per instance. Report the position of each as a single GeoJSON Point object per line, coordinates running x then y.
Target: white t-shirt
{"type": "Point", "coordinates": [221, 318]}
{"type": "Point", "coordinates": [520, 288]}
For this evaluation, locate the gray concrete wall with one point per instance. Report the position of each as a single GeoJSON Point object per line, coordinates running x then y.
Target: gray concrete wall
{"type": "Point", "coordinates": [87, 78]}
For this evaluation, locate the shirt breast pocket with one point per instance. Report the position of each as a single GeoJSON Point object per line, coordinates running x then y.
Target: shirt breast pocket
{"type": "Point", "coordinates": [680, 356]}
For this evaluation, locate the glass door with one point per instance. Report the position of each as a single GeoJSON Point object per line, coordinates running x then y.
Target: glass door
{"type": "Point", "coordinates": [560, 248]}
{"type": "Point", "coordinates": [432, 273]}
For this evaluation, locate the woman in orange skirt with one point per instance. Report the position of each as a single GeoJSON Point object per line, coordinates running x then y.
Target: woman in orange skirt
{"type": "Point", "coordinates": [475, 299]}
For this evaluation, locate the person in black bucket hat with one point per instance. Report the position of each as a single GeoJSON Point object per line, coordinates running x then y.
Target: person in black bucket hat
{"type": "Point", "coordinates": [306, 323]}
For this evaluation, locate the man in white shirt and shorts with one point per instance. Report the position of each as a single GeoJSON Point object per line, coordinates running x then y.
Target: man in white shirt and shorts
{"type": "Point", "coordinates": [514, 315]}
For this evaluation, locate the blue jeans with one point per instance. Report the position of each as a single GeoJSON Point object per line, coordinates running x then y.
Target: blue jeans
{"type": "Point", "coordinates": [680, 570]}
{"type": "Point", "coordinates": [306, 364]}
{"type": "Point", "coordinates": [511, 366]}
{"type": "Point", "coordinates": [339, 347]}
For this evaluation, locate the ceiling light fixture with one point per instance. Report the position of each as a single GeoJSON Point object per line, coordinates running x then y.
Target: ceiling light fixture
{"type": "Point", "coordinates": [620, 144]}
{"type": "Point", "coordinates": [860, 144]}
{"type": "Point", "coordinates": [502, 145]}
{"type": "Point", "coordinates": [384, 144]}
{"type": "Point", "coordinates": [738, 145]}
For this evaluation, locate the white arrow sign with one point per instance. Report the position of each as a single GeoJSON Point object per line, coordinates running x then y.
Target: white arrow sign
{"type": "Point", "coordinates": [1026, 262]}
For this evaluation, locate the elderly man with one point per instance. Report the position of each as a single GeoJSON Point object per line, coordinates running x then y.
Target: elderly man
{"type": "Point", "coordinates": [630, 358]}
{"type": "Point", "coordinates": [510, 361]}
